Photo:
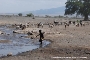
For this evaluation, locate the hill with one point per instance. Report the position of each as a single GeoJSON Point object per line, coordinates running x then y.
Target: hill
{"type": "Point", "coordinates": [52, 11]}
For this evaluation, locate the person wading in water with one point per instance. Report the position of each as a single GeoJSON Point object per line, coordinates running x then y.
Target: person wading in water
{"type": "Point", "coordinates": [41, 36]}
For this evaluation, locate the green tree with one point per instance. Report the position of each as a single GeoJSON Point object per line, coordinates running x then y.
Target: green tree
{"type": "Point", "coordinates": [20, 14]}
{"type": "Point", "coordinates": [47, 16]}
{"type": "Point", "coordinates": [80, 7]}
{"type": "Point", "coordinates": [30, 15]}
{"type": "Point", "coordinates": [60, 16]}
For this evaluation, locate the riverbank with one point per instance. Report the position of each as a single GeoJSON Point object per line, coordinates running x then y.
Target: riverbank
{"type": "Point", "coordinates": [70, 42]}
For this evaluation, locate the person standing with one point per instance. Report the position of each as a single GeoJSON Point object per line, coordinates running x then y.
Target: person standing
{"type": "Point", "coordinates": [65, 26]}
{"type": "Point", "coordinates": [41, 36]}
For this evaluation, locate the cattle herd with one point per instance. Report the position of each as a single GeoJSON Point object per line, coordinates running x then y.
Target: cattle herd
{"type": "Point", "coordinates": [50, 25]}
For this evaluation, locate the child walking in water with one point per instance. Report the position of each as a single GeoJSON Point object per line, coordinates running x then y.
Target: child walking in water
{"type": "Point", "coordinates": [41, 36]}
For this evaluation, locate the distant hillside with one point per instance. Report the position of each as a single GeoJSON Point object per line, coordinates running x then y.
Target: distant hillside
{"type": "Point", "coordinates": [52, 11]}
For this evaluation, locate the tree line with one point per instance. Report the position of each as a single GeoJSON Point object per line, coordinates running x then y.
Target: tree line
{"type": "Point", "coordinates": [28, 15]}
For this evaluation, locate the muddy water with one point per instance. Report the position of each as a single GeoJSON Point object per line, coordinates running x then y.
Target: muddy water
{"type": "Point", "coordinates": [14, 43]}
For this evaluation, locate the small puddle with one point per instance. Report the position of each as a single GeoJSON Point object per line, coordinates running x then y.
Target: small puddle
{"type": "Point", "coordinates": [13, 43]}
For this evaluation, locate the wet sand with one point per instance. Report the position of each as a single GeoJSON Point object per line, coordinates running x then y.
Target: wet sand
{"type": "Point", "coordinates": [70, 42]}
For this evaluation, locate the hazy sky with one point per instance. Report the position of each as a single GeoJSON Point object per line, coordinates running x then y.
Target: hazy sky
{"type": "Point", "coordinates": [16, 6]}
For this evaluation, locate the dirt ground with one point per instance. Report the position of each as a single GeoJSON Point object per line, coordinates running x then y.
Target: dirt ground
{"type": "Point", "coordinates": [73, 42]}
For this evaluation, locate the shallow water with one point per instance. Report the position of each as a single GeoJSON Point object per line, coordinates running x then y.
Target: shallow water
{"type": "Point", "coordinates": [17, 44]}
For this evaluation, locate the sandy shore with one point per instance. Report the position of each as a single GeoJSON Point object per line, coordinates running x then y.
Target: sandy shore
{"type": "Point", "coordinates": [70, 42]}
